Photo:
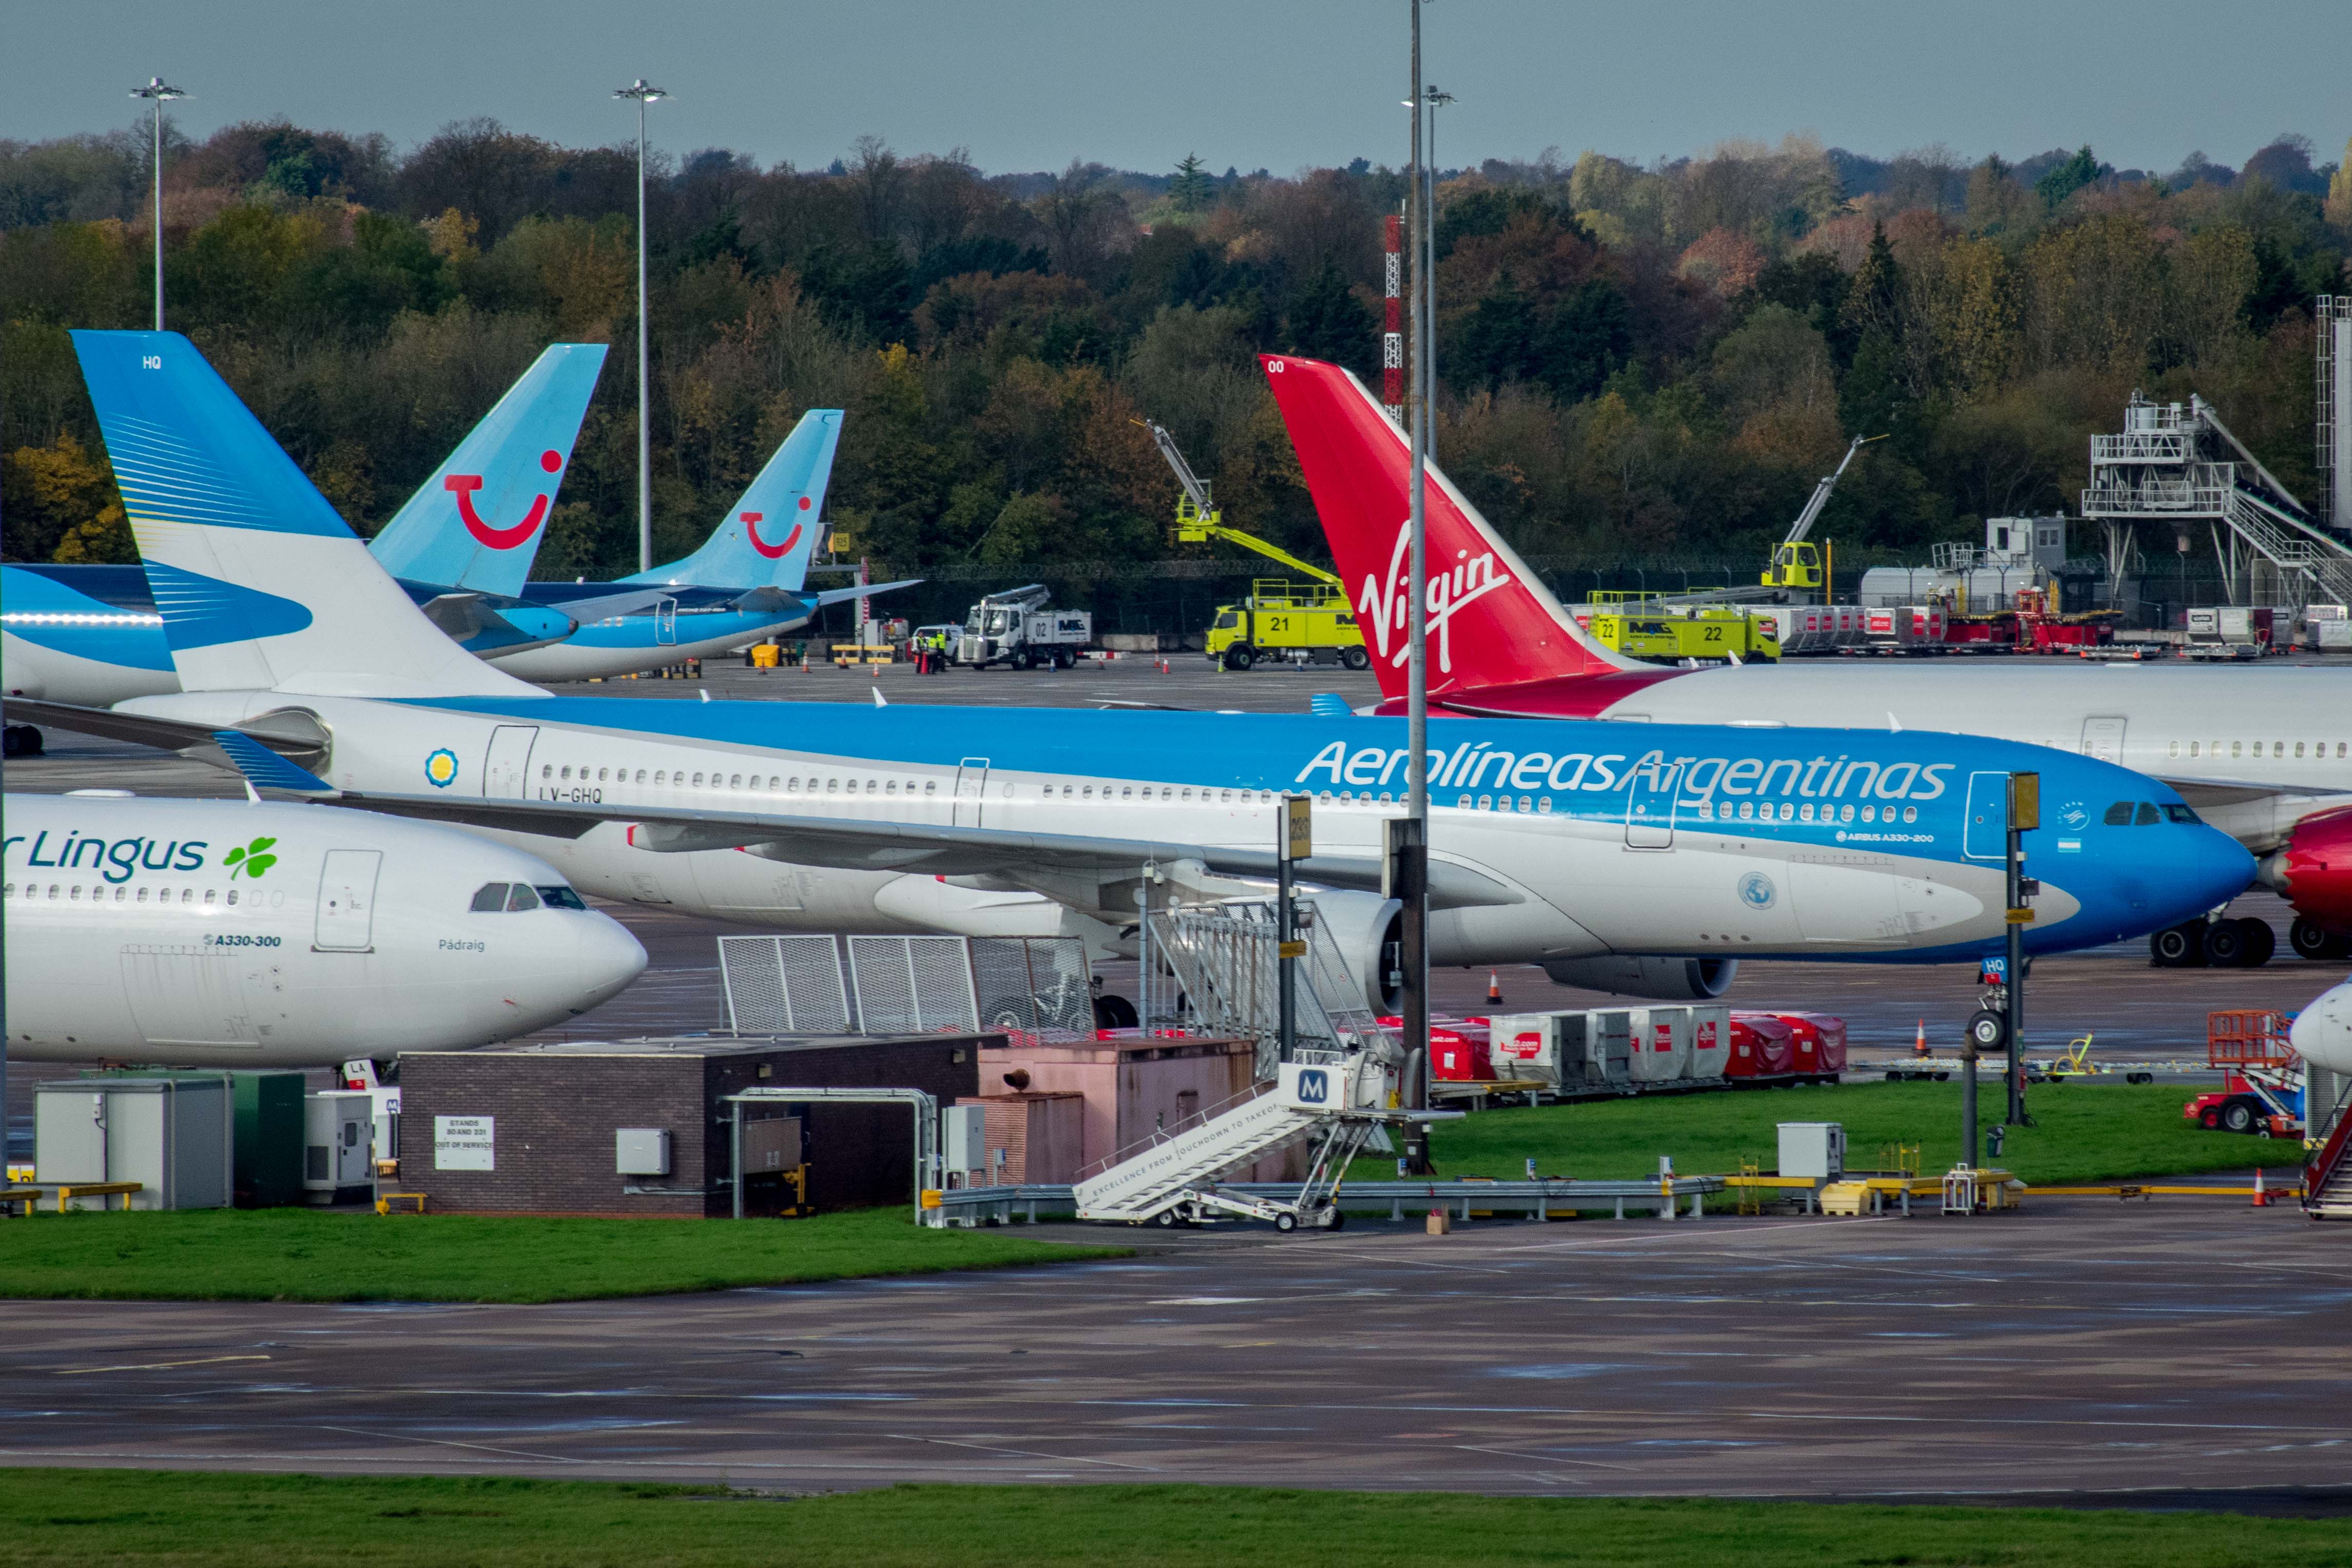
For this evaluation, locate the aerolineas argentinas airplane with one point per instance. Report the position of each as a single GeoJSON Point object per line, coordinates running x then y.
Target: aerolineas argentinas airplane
{"type": "Point", "coordinates": [1695, 845]}
{"type": "Point", "coordinates": [2263, 754]}
{"type": "Point", "coordinates": [222, 934]}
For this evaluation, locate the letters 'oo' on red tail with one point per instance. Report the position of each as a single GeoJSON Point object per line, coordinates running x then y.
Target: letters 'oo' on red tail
{"type": "Point", "coordinates": [1491, 622]}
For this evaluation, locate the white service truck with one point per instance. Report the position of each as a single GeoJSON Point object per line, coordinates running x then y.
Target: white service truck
{"type": "Point", "coordinates": [1018, 628]}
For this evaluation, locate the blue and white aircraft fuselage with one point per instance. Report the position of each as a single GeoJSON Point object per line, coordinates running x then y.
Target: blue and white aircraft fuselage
{"type": "Point", "coordinates": [1560, 840]}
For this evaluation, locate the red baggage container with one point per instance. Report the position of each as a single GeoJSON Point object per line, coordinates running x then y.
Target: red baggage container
{"type": "Point", "coordinates": [1820, 1042]}
{"type": "Point", "coordinates": [1458, 1051]}
{"type": "Point", "coordinates": [1762, 1047]}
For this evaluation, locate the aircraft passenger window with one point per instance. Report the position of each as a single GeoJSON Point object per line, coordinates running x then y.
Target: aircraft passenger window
{"type": "Point", "coordinates": [561, 898]}
{"type": "Point", "coordinates": [2298, 748]}
{"type": "Point", "coordinates": [736, 782]}
{"type": "Point", "coordinates": [773, 782]}
{"type": "Point", "coordinates": [601, 774]}
{"type": "Point", "coordinates": [833, 786]}
{"type": "Point", "coordinates": [1787, 810]}
{"type": "Point", "coordinates": [1526, 804]}
{"type": "Point", "coordinates": [697, 780]}
{"type": "Point", "coordinates": [53, 890]}
{"type": "Point", "coordinates": [1870, 813]}
{"type": "Point", "coordinates": [187, 895]}
{"type": "Point", "coordinates": [208, 895]}
{"type": "Point", "coordinates": [2278, 748]}
{"type": "Point", "coordinates": [489, 898]}
{"type": "Point", "coordinates": [76, 893]}
{"type": "Point", "coordinates": [1805, 812]}
{"type": "Point", "coordinates": [1128, 793]}
{"type": "Point", "coordinates": [2237, 748]}
{"type": "Point", "coordinates": [232, 896]}
{"type": "Point", "coordinates": [142, 894]}
{"type": "Point", "coordinates": [2118, 815]}
{"type": "Point", "coordinates": [547, 771]}
{"type": "Point", "coordinates": [1543, 806]}
{"type": "Point", "coordinates": [519, 897]}
{"type": "Point", "coordinates": [1845, 813]}
{"type": "Point", "coordinates": [891, 788]}
{"type": "Point", "coordinates": [1747, 810]}
{"type": "Point", "coordinates": [2172, 749]}
{"type": "Point", "coordinates": [1463, 803]}
{"type": "Point", "coordinates": [641, 775]}
{"type": "Point", "coordinates": [930, 786]}
{"type": "Point", "coordinates": [1910, 813]}
{"type": "Point", "coordinates": [2192, 748]}
{"type": "Point", "coordinates": [2148, 815]}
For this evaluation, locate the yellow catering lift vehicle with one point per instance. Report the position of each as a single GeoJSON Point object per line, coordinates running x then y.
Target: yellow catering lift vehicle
{"type": "Point", "coordinates": [1796, 571]}
{"type": "Point", "coordinates": [1642, 628]}
{"type": "Point", "coordinates": [1287, 622]}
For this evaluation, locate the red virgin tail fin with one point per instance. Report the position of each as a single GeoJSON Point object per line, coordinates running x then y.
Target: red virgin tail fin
{"type": "Point", "coordinates": [1491, 622]}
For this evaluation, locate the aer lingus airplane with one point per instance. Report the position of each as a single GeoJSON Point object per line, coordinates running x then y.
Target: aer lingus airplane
{"type": "Point", "coordinates": [1653, 858]}
{"type": "Point", "coordinates": [221, 933]}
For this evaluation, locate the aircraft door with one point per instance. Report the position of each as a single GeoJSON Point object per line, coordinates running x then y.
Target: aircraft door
{"type": "Point", "coordinates": [1986, 836]}
{"type": "Point", "coordinates": [666, 623]}
{"type": "Point", "coordinates": [346, 920]}
{"type": "Point", "coordinates": [506, 773]}
{"type": "Point", "coordinates": [1650, 805]}
{"type": "Point", "coordinates": [2102, 738]}
{"type": "Point", "coordinates": [971, 791]}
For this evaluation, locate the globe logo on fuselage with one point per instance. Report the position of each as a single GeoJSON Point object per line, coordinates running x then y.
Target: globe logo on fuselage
{"type": "Point", "coordinates": [441, 768]}
{"type": "Point", "coordinates": [1755, 890]}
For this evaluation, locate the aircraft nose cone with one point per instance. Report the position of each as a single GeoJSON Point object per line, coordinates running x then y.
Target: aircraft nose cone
{"type": "Point", "coordinates": [609, 958]}
{"type": "Point", "coordinates": [2222, 870]}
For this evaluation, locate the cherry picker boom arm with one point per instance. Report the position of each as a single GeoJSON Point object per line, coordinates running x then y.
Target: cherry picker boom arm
{"type": "Point", "coordinates": [1820, 496]}
{"type": "Point", "coordinates": [1198, 521]}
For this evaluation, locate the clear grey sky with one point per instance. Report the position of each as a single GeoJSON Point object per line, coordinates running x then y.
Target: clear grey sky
{"type": "Point", "coordinates": [1275, 83]}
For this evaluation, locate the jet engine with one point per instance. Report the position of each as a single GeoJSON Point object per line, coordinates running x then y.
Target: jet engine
{"type": "Point", "coordinates": [2314, 872]}
{"type": "Point", "coordinates": [1367, 929]}
{"type": "Point", "coordinates": [1663, 979]}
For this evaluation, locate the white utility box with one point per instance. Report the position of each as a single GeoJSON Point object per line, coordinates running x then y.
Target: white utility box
{"type": "Point", "coordinates": [174, 1136]}
{"type": "Point", "coordinates": [1813, 1149]}
{"type": "Point", "coordinates": [338, 1142]}
{"type": "Point", "coordinates": [963, 1145]}
{"type": "Point", "coordinates": [641, 1151]}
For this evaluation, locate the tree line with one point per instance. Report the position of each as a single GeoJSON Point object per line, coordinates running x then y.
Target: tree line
{"type": "Point", "coordinates": [1636, 361]}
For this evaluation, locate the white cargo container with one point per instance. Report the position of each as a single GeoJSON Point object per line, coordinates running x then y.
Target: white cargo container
{"type": "Point", "coordinates": [1595, 1048]}
{"type": "Point", "coordinates": [1529, 1046]}
{"type": "Point", "coordinates": [1661, 1044]}
{"type": "Point", "coordinates": [1710, 1042]}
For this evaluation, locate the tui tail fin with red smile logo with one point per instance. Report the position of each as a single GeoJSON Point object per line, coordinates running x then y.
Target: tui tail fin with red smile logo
{"type": "Point", "coordinates": [768, 534]}
{"type": "Point", "coordinates": [477, 522]}
{"type": "Point", "coordinates": [1491, 622]}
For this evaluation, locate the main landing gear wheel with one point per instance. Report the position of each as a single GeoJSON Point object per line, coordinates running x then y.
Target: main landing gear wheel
{"type": "Point", "coordinates": [23, 740]}
{"type": "Point", "coordinates": [1987, 1030]}
{"type": "Point", "coordinates": [2245, 944]}
{"type": "Point", "coordinates": [2312, 940]}
{"type": "Point", "coordinates": [2178, 947]}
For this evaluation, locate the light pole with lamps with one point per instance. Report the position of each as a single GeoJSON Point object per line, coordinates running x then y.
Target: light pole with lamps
{"type": "Point", "coordinates": [156, 93]}
{"type": "Point", "coordinates": [643, 95]}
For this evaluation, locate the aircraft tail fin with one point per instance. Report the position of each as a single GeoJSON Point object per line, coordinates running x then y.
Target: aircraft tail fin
{"type": "Point", "coordinates": [260, 584]}
{"type": "Point", "coordinates": [477, 522]}
{"type": "Point", "coordinates": [768, 534]}
{"type": "Point", "coordinates": [1490, 620]}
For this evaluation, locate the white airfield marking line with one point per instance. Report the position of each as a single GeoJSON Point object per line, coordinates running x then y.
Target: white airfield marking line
{"type": "Point", "coordinates": [1024, 1453]}
{"type": "Point", "coordinates": [155, 1365]}
{"type": "Point", "coordinates": [452, 1443]}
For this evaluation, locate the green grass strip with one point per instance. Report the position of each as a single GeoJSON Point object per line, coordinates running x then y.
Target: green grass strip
{"type": "Point", "coordinates": [68, 1518]}
{"type": "Point", "coordinates": [302, 1255]}
{"type": "Point", "coordinates": [2083, 1133]}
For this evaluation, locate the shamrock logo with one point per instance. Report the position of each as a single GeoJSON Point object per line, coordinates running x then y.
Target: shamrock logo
{"type": "Point", "coordinates": [252, 860]}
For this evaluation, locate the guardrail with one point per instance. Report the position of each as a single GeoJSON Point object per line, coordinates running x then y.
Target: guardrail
{"type": "Point", "coordinates": [1537, 1199]}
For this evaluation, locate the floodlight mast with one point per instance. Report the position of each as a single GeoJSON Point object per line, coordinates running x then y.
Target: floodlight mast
{"type": "Point", "coordinates": [156, 93]}
{"type": "Point", "coordinates": [643, 95]}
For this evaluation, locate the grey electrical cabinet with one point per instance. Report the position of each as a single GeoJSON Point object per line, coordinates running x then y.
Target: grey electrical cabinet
{"type": "Point", "coordinates": [337, 1128]}
{"type": "Point", "coordinates": [1815, 1149]}
{"type": "Point", "coordinates": [641, 1151]}
{"type": "Point", "coordinates": [175, 1137]}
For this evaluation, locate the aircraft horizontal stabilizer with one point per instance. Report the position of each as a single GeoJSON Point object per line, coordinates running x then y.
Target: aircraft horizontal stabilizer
{"type": "Point", "coordinates": [928, 849]}
{"type": "Point", "coordinates": [265, 770]}
{"type": "Point", "coordinates": [843, 595]}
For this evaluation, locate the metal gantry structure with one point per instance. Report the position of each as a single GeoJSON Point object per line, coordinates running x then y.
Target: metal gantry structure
{"type": "Point", "coordinates": [2178, 466]}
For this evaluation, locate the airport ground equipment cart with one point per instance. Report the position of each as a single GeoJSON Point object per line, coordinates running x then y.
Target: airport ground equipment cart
{"type": "Point", "coordinates": [1018, 628]}
{"type": "Point", "coordinates": [2263, 1085]}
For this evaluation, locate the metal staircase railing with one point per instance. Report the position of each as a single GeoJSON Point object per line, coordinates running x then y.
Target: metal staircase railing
{"type": "Point", "coordinates": [2328, 1178]}
{"type": "Point", "coordinates": [2291, 544]}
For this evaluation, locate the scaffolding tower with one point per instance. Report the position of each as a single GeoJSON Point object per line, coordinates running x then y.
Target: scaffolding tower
{"type": "Point", "coordinates": [2177, 465]}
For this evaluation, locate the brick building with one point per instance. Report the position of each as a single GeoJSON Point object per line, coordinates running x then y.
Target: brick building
{"type": "Point", "coordinates": [538, 1128]}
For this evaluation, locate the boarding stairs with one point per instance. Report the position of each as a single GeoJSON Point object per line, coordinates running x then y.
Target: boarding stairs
{"type": "Point", "coordinates": [1172, 1177]}
{"type": "Point", "coordinates": [2327, 1179]}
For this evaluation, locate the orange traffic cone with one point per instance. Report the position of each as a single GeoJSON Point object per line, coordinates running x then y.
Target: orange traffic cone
{"type": "Point", "coordinates": [1493, 989]}
{"type": "Point", "coordinates": [2262, 1196]}
{"type": "Point", "coordinates": [1919, 1041]}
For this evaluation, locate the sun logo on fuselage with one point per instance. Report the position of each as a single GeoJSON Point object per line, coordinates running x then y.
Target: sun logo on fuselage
{"type": "Point", "coordinates": [441, 768]}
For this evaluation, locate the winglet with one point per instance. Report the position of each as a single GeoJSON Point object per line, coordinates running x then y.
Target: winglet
{"type": "Point", "coordinates": [266, 770]}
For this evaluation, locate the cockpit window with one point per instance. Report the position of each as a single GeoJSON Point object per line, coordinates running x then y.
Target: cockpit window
{"type": "Point", "coordinates": [561, 898]}
{"type": "Point", "coordinates": [520, 896]}
{"type": "Point", "coordinates": [2175, 814]}
{"type": "Point", "coordinates": [489, 898]}
{"type": "Point", "coordinates": [2119, 814]}
{"type": "Point", "coordinates": [2148, 815]}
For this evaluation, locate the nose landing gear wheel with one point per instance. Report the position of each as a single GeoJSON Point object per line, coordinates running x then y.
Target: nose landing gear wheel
{"type": "Point", "coordinates": [1987, 1030]}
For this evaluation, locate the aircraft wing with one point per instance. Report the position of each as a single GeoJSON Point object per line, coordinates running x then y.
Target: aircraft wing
{"type": "Point", "coordinates": [2224, 792]}
{"type": "Point", "coordinates": [605, 607]}
{"type": "Point", "coordinates": [293, 734]}
{"type": "Point", "coordinates": [925, 848]}
{"type": "Point", "coordinates": [843, 595]}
